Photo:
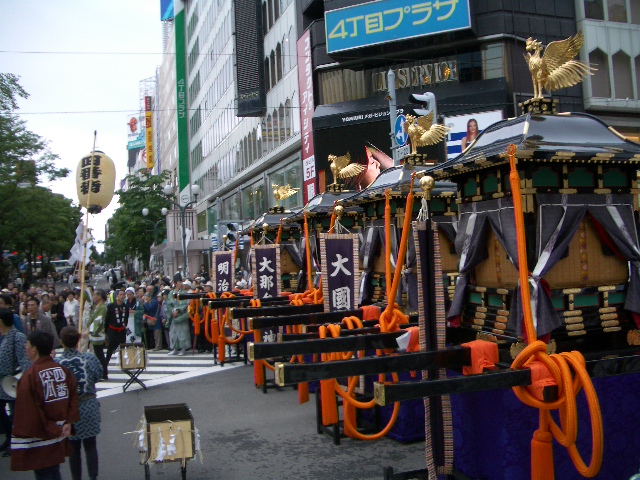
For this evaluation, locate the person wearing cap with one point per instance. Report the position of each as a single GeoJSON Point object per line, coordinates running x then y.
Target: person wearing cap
{"type": "Point", "coordinates": [178, 275]}
{"type": "Point", "coordinates": [179, 317]}
{"type": "Point", "coordinates": [135, 331]}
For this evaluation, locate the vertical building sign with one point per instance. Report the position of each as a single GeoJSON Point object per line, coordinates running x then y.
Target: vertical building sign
{"type": "Point", "coordinates": [148, 122]}
{"type": "Point", "coordinates": [305, 89]}
{"type": "Point", "coordinates": [181, 98]}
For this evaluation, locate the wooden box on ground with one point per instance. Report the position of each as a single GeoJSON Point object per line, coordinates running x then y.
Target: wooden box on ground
{"type": "Point", "coordinates": [133, 356]}
{"type": "Point", "coordinates": [167, 420]}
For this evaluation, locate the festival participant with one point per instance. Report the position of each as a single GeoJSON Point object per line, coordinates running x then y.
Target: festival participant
{"type": "Point", "coordinates": [12, 359]}
{"type": "Point", "coordinates": [71, 307]}
{"type": "Point", "coordinates": [179, 317]}
{"type": "Point", "coordinates": [88, 371]}
{"type": "Point", "coordinates": [46, 408]}
{"type": "Point", "coordinates": [152, 320]}
{"type": "Point", "coordinates": [95, 331]}
{"type": "Point", "coordinates": [116, 324]}
{"type": "Point", "coordinates": [472, 133]}
{"type": "Point", "coordinates": [36, 320]}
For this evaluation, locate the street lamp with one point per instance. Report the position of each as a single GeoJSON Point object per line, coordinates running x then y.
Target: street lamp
{"type": "Point", "coordinates": [145, 212]}
{"type": "Point", "coordinates": [168, 191]}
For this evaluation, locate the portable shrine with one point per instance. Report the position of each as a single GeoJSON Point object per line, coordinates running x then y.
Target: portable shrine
{"type": "Point", "coordinates": [266, 228]}
{"type": "Point", "coordinates": [371, 201]}
{"type": "Point", "coordinates": [579, 186]}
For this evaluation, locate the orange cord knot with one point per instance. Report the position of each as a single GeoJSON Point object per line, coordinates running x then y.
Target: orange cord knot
{"type": "Point", "coordinates": [568, 371]}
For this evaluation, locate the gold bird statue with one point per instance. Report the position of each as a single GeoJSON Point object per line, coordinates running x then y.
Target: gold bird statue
{"type": "Point", "coordinates": [341, 167]}
{"type": "Point", "coordinates": [556, 69]}
{"type": "Point", "coordinates": [422, 131]}
{"type": "Point", "coordinates": [282, 192]}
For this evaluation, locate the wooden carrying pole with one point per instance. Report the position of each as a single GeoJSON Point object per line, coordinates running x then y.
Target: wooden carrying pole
{"type": "Point", "coordinates": [85, 235]}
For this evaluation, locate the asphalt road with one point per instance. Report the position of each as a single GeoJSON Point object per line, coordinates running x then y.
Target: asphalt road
{"type": "Point", "coordinates": [245, 435]}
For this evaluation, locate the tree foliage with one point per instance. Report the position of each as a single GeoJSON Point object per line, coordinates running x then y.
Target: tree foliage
{"type": "Point", "coordinates": [25, 208]}
{"type": "Point", "coordinates": [130, 233]}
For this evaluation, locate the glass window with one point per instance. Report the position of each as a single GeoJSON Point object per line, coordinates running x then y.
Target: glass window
{"type": "Point", "coordinates": [622, 81]}
{"type": "Point", "coordinates": [272, 64]}
{"type": "Point", "coordinates": [637, 62]}
{"type": "Point", "coordinates": [469, 67]}
{"type": "Point", "coordinates": [493, 61]}
{"type": "Point", "coordinates": [231, 207]}
{"type": "Point", "coordinates": [635, 11]}
{"type": "Point", "coordinates": [279, 62]}
{"type": "Point", "coordinates": [600, 83]}
{"type": "Point", "coordinates": [267, 75]}
{"type": "Point", "coordinates": [265, 19]}
{"type": "Point", "coordinates": [593, 9]}
{"type": "Point", "coordinates": [253, 201]}
{"type": "Point", "coordinates": [617, 10]}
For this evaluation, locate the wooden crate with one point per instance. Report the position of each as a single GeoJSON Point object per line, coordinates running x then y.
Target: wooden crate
{"type": "Point", "coordinates": [165, 420]}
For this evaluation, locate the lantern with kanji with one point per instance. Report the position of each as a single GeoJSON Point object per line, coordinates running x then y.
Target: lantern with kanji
{"type": "Point", "coordinates": [95, 181]}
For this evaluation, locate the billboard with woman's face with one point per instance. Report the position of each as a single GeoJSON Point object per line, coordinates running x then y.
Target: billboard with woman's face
{"type": "Point", "coordinates": [464, 129]}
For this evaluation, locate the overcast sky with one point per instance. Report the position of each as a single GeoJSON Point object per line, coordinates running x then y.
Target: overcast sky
{"type": "Point", "coordinates": [91, 57]}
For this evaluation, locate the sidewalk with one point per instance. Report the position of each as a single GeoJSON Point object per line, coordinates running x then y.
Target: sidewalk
{"type": "Point", "coordinates": [245, 435]}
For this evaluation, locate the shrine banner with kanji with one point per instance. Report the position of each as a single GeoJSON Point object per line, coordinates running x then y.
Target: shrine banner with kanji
{"type": "Point", "coordinates": [266, 271]}
{"type": "Point", "coordinates": [222, 271]}
{"type": "Point", "coordinates": [340, 271]}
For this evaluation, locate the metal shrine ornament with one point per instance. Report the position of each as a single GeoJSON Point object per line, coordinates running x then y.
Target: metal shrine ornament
{"type": "Point", "coordinates": [556, 68]}
{"type": "Point", "coordinates": [282, 192]}
{"type": "Point", "coordinates": [340, 271]}
{"type": "Point", "coordinates": [422, 131]}
{"type": "Point", "coordinates": [341, 168]}
{"type": "Point", "coordinates": [95, 181]}
{"type": "Point", "coordinates": [222, 271]}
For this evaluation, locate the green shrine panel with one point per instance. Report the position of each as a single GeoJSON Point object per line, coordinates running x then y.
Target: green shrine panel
{"type": "Point", "coordinates": [558, 303]}
{"type": "Point", "coordinates": [470, 187]}
{"type": "Point", "coordinates": [475, 298]}
{"type": "Point", "coordinates": [495, 300]}
{"type": "Point", "coordinates": [617, 298]}
{"type": "Point", "coordinates": [545, 177]}
{"type": "Point", "coordinates": [613, 177]}
{"type": "Point", "coordinates": [582, 177]}
{"type": "Point", "coordinates": [582, 301]}
{"type": "Point", "coordinates": [490, 183]}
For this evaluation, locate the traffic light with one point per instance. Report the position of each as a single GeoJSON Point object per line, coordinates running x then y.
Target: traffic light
{"type": "Point", "coordinates": [428, 102]}
{"type": "Point", "coordinates": [232, 232]}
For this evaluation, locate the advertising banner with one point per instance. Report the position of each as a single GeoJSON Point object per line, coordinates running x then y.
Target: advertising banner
{"type": "Point", "coordinates": [266, 270]}
{"type": "Point", "coordinates": [305, 89]}
{"type": "Point", "coordinates": [135, 131]}
{"type": "Point", "coordinates": [392, 20]}
{"type": "Point", "coordinates": [463, 129]}
{"type": "Point", "coordinates": [222, 271]}
{"type": "Point", "coordinates": [340, 271]}
{"type": "Point", "coordinates": [149, 131]}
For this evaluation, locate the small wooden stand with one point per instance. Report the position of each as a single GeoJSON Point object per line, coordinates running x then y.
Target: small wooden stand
{"type": "Point", "coordinates": [133, 361]}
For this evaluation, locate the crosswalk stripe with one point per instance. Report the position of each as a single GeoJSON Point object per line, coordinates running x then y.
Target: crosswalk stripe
{"type": "Point", "coordinates": [161, 369]}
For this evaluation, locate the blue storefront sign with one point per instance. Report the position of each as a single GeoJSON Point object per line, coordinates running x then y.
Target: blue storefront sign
{"type": "Point", "coordinates": [392, 20]}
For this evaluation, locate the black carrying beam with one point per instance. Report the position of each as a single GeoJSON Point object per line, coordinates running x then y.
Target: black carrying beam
{"type": "Point", "coordinates": [313, 332]}
{"type": "Point", "coordinates": [287, 373]}
{"type": "Point", "coordinates": [387, 394]}
{"type": "Point", "coordinates": [301, 319]}
{"type": "Point", "coordinates": [261, 351]}
{"type": "Point", "coordinates": [273, 311]}
{"type": "Point", "coordinates": [241, 303]}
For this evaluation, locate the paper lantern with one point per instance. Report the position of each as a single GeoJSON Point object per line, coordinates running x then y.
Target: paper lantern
{"type": "Point", "coordinates": [95, 181]}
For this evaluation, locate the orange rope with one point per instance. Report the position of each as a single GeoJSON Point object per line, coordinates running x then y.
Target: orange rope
{"type": "Point", "coordinates": [329, 388]}
{"type": "Point", "coordinates": [279, 235]}
{"type": "Point", "coordinates": [251, 237]}
{"type": "Point", "coordinates": [559, 367]}
{"type": "Point", "coordinates": [392, 317]}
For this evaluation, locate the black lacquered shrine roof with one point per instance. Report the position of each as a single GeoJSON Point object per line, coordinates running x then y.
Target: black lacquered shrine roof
{"type": "Point", "coordinates": [563, 137]}
{"type": "Point", "coordinates": [323, 203]}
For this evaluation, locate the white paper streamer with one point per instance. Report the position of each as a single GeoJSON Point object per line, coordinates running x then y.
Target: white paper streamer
{"type": "Point", "coordinates": [171, 448]}
{"type": "Point", "coordinates": [162, 449]}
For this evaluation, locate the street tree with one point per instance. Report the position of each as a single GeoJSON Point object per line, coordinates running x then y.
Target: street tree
{"type": "Point", "coordinates": [130, 233]}
{"type": "Point", "coordinates": [25, 160]}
